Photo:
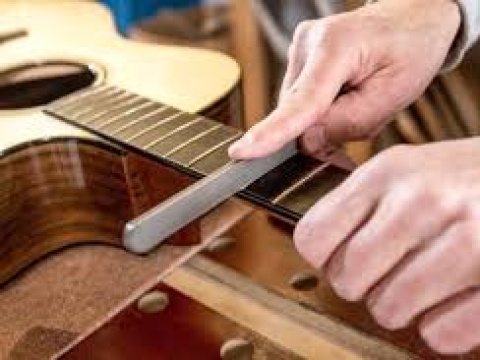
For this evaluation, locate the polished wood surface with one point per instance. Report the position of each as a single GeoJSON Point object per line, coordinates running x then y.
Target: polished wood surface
{"type": "Point", "coordinates": [56, 194]}
{"type": "Point", "coordinates": [66, 191]}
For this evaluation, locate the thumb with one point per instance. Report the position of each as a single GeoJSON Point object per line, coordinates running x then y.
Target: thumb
{"type": "Point", "coordinates": [307, 101]}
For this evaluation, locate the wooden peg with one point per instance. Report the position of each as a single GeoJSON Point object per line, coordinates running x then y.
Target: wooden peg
{"type": "Point", "coordinates": [237, 349]}
{"type": "Point", "coordinates": [221, 244]}
{"type": "Point", "coordinates": [153, 302]}
{"type": "Point", "coordinates": [303, 281]}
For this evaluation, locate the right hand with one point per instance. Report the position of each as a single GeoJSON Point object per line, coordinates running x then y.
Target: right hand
{"type": "Point", "coordinates": [348, 73]}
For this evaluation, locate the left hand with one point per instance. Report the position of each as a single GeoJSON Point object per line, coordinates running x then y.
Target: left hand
{"type": "Point", "coordinates": [404, 232]}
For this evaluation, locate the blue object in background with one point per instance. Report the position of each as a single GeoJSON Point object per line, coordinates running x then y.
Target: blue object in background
{"type": "Point", "coordinates": [128, 12]}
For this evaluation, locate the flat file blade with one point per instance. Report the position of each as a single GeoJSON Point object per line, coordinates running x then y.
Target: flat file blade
{"type": "Point", "coordinates": [145, 232]}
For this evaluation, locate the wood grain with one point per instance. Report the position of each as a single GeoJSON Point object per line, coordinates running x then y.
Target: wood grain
{"type": "Point", "coordinates": [64, 192]}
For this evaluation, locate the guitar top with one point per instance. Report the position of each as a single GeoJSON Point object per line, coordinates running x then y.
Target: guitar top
{"type": "Point", "coordinates": [49, 39]}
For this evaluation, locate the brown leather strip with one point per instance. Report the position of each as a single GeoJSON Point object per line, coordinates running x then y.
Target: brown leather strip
{"type": "Point", "coordinates": [77, 290]}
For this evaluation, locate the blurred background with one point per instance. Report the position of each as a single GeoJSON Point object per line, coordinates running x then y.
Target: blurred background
{"type": "Point", "coordinates": [257, 34]}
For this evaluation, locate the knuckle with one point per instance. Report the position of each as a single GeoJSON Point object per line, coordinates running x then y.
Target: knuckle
{"type": "Point", "coordinates": [357, 253]}
{"type": "Point", "coordinates": [388, 164]}
{"type": "Point", "coordinates": [469, 238]}
{"type": "Point", "coordinates": [332, 26]}
{"type": "Point", "coordinates": [421, 194]}
{"type": "Point", "coordinates": [301, 29]}
{"type": "Point", "coordinates": [355, 127]}
{"type": "Point", "coordinates": [326, 32]}
{"type": "Point", "coordinates": [303, 237]}
{"type": "Point", "coordinates": [292, 50]}
{"type": "Point", "coordinates": [378, 170]}
{"type": "Point", "coordinates": [443, 340]}
{"type": "Point", "coordinates": [257, 135]}
{"type": "Point", "coordinates": [467, 231]}
{"type": "Point", "coordinates": [343, 286]}
{"type": "Point", "coordinates": [438, 204]}
{"type": "Point", "coordinates": [392, 308]}
{"type": "Point", "coordinates": [345, 282]}
{"type": "Point", "coordinates": [470, 212]}
{"type": "Point", "coordinates": [303, 231]}
{"type": "Point", "coordinates": [387, 317]}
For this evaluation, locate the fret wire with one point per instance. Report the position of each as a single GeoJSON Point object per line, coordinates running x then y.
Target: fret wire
{"type": "Point", "coordinates": [93, 95]}
{"type": "Point", "coordinates": [213, 149]}
{"type": "Point", "coordinates": [128, 116]}
{"type": "Point", "coordinates": [167, 135]}
{"type": "Point", "coordinates": [67, 101]}
{"type": "Point", "coordinates": [102, 104]}
{"type": "Point", "coordinates": [191, 140]}
{"type": "Point", "coordinates": [104, 100]}
{"type": "Point", "coordinates": [152, 127]}
{"type": "Point", "coordinates": [98, 111]}
{"type": "Point", "coordinates": [72, 98]}
{"type": "Point", "coordinates": [299, 183]}
{"type": "Point", "coordinates": [140, 118]}
{"type": "Point", "coordinates": [75, 106]}
{"type": "Point", "coordinates": [131, 106]}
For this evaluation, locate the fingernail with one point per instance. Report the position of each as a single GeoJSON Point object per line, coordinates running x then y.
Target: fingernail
{"type": "Point", "coordinates": [239, 146]}
{"type": "Point", "coordinates": [235, 148]}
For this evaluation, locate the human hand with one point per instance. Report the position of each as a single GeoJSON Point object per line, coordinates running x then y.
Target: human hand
{"type": "Point", "coordinates": [348, 73]}
{"type": "Point", "coordinates": [403, 232]}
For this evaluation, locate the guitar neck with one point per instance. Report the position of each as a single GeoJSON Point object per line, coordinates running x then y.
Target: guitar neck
{"type": "Point", "coordinates": [193, 144]}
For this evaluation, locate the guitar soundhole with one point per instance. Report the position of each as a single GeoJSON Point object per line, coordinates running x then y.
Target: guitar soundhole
{"type": "Point", "coordinates": [33, 85]}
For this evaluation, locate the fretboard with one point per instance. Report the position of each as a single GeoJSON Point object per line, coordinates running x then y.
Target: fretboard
{"type": "Point", "coordinates": [193, 144]}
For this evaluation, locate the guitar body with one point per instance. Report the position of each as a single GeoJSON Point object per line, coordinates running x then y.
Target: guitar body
{"type": "Point", "coordinates": [62, 186]}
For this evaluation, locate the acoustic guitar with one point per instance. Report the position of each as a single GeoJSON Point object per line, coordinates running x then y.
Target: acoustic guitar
{"type": "Point", "coordinates": [63, 186]}
{"type": "Point", "coordinates": [60, 185]}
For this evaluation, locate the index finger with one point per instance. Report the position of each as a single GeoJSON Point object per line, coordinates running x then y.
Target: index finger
{"type": "Point", "coordinates": [310, 97]}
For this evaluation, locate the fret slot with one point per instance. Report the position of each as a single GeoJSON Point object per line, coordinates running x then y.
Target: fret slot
{"type": "Point", "coordinates": [191, 141]}
{"type": "Point", "coordinates": [204, 145]}
{"type": "Point", "coordinates": [150, 136]}
{"type": "Point", "coordinates": [182, 136]}
{"type": "Point", "coordinates": [304, 197]}
{"type": "Point", "coordinates": [115, 112]}
{"type": "Point", "coordinates": [91, 102]}
{"type": "Point", "coordinates": [100, 108]}
{"type": "Point", "coordinates": [129, 117]}
{"type": "Point", "coordinates": [213, 161]}
{"type": "Point", "coordinates": [93, 106]}
{"type": "Point", "coordinates": [144, 122]}
{"type": "Point", "coordinates": [69, 101]}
